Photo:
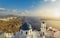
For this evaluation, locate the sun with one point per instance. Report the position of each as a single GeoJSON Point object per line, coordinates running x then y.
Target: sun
{"type": "Point", "coordinates": [56, 14]}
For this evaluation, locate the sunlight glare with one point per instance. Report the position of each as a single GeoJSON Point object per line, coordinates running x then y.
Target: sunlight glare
{"type": "Point", "coordinates": [56, 14]}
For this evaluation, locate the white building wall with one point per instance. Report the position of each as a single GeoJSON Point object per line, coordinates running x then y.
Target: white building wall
{"type": "Point", "coordinates": [24, 32]}
{"type": "Point", "coordinates": [9, 35]}
{"type": "Point", "coordinates": [43, 27]}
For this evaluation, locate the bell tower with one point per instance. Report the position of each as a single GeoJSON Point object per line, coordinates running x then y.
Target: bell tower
{"type": "Point", "coordinates": [43, 26]}
{"type": "Point", "coordinates": [43, 29]}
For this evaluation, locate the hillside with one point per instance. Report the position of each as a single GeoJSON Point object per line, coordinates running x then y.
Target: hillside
{"type": "Point", "coordinates": [12, 25]}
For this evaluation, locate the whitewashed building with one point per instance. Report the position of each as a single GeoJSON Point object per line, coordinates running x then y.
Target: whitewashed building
{"type": "Point", "coordinates": [26, 30]}
{"type": "Point", "coordinates": [9, 35]}
{"type": "Point", "coordinates": [43, 29]}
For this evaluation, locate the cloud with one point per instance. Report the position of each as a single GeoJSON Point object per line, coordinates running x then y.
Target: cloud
{"type": "Point", "coordinates": [50, 0]}
{"type": "Point", "coordinates": [14, 10]}
{"type": "Point", "coordinates": [53, 0]}
{"type": "Point", "coordinates": [32, 5]}
{"type": "Point", "coordinates": [3, 9]}
{"type": "Point", "coordinates": [45, 0]}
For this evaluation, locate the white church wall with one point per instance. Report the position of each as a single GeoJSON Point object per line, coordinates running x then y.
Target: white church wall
{"type": "Point", "coordinates": [26, 32]}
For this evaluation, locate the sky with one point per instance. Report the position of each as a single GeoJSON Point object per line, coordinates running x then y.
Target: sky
{"type": "Point", "coordinates": [18, 4]}
{"type": "Point", "coordinates": [45, 8]}
{"type": "Point", "coordinates": [9, 6]}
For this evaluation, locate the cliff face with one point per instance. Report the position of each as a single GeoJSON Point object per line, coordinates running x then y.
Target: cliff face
{"type": "Point", "coordinates": [12, 25]}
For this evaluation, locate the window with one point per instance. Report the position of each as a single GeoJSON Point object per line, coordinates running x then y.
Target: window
{"type": "Point", "coordinates": [26, 33]}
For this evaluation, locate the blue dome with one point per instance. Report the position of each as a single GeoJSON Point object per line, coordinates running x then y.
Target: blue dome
{"type": "Point", "coordinates": [26, 26]}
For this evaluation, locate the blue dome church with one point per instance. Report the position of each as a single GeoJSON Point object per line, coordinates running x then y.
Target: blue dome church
{"type": "Point", "coordinates": [26, 29]}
